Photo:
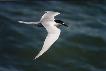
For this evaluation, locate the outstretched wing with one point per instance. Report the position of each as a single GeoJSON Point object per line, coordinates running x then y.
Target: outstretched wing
{"type": "Point", "coordinates": [49, 15]}
{"type": "Point", "coordinates": [50, 39]}
{"type": "Point", "coordinates": [28, 22]}
{"type": "Point", "coordinates": [38, 24]}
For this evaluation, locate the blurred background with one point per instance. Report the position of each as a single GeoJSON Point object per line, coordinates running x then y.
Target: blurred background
{"type": "Point", "coordinates": [81, 46]}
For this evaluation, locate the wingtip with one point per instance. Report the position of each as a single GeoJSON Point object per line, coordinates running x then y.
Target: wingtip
{"type": "Point", "coordinates": [20, 21]}
{"type": "Point", "coordinates": [35, 57]}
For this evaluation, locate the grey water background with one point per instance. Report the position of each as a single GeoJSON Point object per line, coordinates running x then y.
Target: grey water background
{"type": "Point", "coordinates": [81, 46]}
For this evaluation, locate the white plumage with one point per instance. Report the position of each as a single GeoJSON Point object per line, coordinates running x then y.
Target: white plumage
{"type": "Point", "coordinates": [48, 22]}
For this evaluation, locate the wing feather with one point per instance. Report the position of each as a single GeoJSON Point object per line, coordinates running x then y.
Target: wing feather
{"type": "Point", "coordinates": [28, 22]}
{"type": "Point", "coordinates": [49, 15]}
{"type": "Point", "coordinates": [50, 39]}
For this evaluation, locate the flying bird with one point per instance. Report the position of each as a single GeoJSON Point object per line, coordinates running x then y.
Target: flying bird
{"type": "Point", "coordinates": [52, 26]}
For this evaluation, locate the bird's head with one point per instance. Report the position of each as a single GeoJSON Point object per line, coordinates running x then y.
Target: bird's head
{"type": "Point", "coordinates": [60, 23]}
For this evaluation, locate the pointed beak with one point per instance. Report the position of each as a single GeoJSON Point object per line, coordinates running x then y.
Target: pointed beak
{"type": "Point", "coordinates": [65, 25]}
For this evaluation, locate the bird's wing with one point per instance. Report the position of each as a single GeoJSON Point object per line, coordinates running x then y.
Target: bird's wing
{"type": "Point", "coordinates": [49, 15]}
{"type": "Point", "coordinates": [50, 39]}
{"type": "Point", "coordinates": [28, 22]}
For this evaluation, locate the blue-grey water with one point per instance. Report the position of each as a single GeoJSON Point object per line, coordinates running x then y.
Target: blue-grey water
{"type": "Point", "coordinates": [81, 46]}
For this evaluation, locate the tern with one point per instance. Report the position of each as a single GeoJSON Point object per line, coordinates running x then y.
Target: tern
{"type": "Point", "coordinates": [52, 26]}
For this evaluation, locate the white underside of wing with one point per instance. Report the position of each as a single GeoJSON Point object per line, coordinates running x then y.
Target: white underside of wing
{"type": "Point", "coordinates": [50, 39]}
{"type": "Point", "coordinates": [28, 22]}
{"type": "Point", "coordinates": [47, 21]}
{"type": "Point", "coordinates": [49, 15]}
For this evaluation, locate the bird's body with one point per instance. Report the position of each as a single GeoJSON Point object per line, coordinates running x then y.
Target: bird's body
{"type": "Point", "coordinates": [50, 24]}
{"type": "Point", "coordinates": [52, 36]}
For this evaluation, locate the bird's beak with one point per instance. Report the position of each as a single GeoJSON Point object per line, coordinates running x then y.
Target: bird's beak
{"type": "Point", "coordinates": [65, 25]}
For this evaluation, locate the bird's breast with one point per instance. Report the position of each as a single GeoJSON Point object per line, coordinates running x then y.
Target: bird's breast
{"type": "Point", "coordinates": [50, 26]}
